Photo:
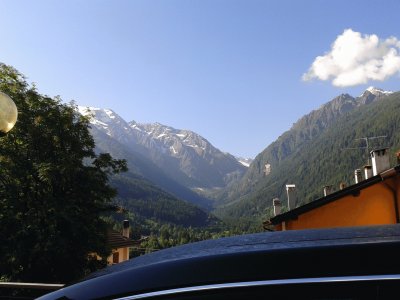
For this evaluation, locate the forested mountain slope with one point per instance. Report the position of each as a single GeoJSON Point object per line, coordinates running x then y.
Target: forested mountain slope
{"type": "Point", "coordinates": [143, 199]}
{"type": "Point", "coordinates": [312, 153]}
{"type": "Point", "coordinates": [306, 129]}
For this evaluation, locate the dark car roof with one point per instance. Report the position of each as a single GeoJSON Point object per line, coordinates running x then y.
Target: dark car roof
{"type": "Point", "coordinates": [270, 255]}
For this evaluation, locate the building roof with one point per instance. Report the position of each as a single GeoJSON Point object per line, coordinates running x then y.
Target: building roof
{"type": "Point", "coordinates": [350, 190]}
{"type": "Point", "coordinates": [117, 240]}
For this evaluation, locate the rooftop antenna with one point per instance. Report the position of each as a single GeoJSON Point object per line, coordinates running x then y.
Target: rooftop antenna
{"type": "Point", "coordinates": [366, 147]}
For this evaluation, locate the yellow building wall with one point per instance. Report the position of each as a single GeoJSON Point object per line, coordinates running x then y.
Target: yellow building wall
{"type": "Point", "coordinates": [123, 255]}
{"type": "Point", "coordinates": [373, 206]}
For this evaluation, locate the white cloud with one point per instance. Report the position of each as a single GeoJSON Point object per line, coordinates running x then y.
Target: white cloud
{"type": "Point", "coordinates": [356, 59]}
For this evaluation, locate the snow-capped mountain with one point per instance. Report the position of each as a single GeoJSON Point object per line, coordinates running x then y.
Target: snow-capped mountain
{"type": "Point", "coordinates": [183, 155]}
{"type": "Point", "coordinates": [372, 94]}
{"type": "Point", "coordinates": [377, 91]}
{"type": "Point", "coordinates": [144, 179]}
{"type": "Point", "coordinates": [188, 157]}
{"type": "Point", "coordinates": [110, 123]}
{"type": "Point", "coordinates": [174, 140]}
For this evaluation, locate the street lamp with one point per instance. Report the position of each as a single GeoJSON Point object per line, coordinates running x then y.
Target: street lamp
{"type": "Point", "coordinates": [8, 113]}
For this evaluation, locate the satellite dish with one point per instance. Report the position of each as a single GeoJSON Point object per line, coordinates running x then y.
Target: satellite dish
{"type": "Point", "coordinates": [8, 113]}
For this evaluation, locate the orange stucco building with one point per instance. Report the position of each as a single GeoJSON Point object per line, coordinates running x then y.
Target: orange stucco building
{"type": "Point", "coordinates": [373, 201]}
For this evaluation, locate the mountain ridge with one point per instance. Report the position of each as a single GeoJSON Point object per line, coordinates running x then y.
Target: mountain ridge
{"type": "Point", "coordinates": [141, 166]}
{"type": "Point", "coordinates": [183, 155]}
{"type": "Point", "coordinates": [288, 158]}
{"type": "Point", "coordinates": [186, 149]}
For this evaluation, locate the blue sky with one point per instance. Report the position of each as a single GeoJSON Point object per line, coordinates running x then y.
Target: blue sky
{"type": "Point", "coordinates": [229, 70]}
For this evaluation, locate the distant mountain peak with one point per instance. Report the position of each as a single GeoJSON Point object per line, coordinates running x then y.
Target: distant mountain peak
{"type": "Point", "coordinates": [377, 91]}
{"type": "Point", "coordinates": [95, 111]}
{"type": "Point", "coordinates": [372, 94]}
{"type": "Point", "coordinates": [85, 110]}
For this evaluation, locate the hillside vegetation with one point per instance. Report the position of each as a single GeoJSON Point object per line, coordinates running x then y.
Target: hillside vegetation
{"type": "Point", "coordinates": [143, 168]}
{"type": "Point", "coordinates": [312, 154]}
{"type": "Point", "coordinates": [53, 190]}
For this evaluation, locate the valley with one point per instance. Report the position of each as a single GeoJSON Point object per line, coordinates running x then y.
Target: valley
{"type": "Point", "coordinates": [168, 164]}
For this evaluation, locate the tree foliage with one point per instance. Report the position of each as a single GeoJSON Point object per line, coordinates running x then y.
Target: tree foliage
{"type": "Point", "coordinates": [53, 188]}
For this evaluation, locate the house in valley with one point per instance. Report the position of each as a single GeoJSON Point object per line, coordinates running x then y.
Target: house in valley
{"type": "Point", "coordinates": [120, 244]}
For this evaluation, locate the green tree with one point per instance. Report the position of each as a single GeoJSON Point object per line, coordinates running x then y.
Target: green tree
{"type": "Point", "coordinates": [53, 189]}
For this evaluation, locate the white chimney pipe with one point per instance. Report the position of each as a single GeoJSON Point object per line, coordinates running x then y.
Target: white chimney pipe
{"type": "Point", "coordinates": [367, 172]}
{"type": "Point", "coordinates": [357, 176]}
{"type": "Point", "coordinates": [327, 190]}
{"type": "Point", "coordinates": [277, 206]}
{"type": "Point", "coordinates": [291, 194]}
{"type": "Point", "coordinates": [380, 160]}
{"type": "Point", "coordinates": [126, 228]}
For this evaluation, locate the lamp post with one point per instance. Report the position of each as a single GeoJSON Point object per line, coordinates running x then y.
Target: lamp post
{"type": "Point", "coordinates": [8, 113]}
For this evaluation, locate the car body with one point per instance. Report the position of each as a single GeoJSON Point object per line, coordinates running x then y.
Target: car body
{"type": "Point", "coordinates": [341, 263]}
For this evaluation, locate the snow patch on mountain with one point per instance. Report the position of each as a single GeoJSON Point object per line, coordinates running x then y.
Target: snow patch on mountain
{"type": "Point", "coordinates": [244, 161]}
{"type": "Point", "coordinates": [173, 150]}
{"type": "Point", "coordinates": [376, 91]}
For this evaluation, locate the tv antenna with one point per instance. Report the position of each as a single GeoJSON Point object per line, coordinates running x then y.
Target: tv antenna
{"type": "Point", "coordinates": [366, 147]}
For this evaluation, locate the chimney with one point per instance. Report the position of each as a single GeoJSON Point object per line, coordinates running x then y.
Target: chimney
{"type": "Point", "coordinates": [291, 195]}
{"type": "Point", "coordinates": [367, 172]}
{"type": "Point", "coordinates": [380, 160]}
{"type": "Point", "coordinates": [277, 206]}
{"type": "Point", "coordinates": [357, 176]}
{"type": "Point", "coordinates": [327, 190]}
{"type": "Point", "coordinates": [126, 228]}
